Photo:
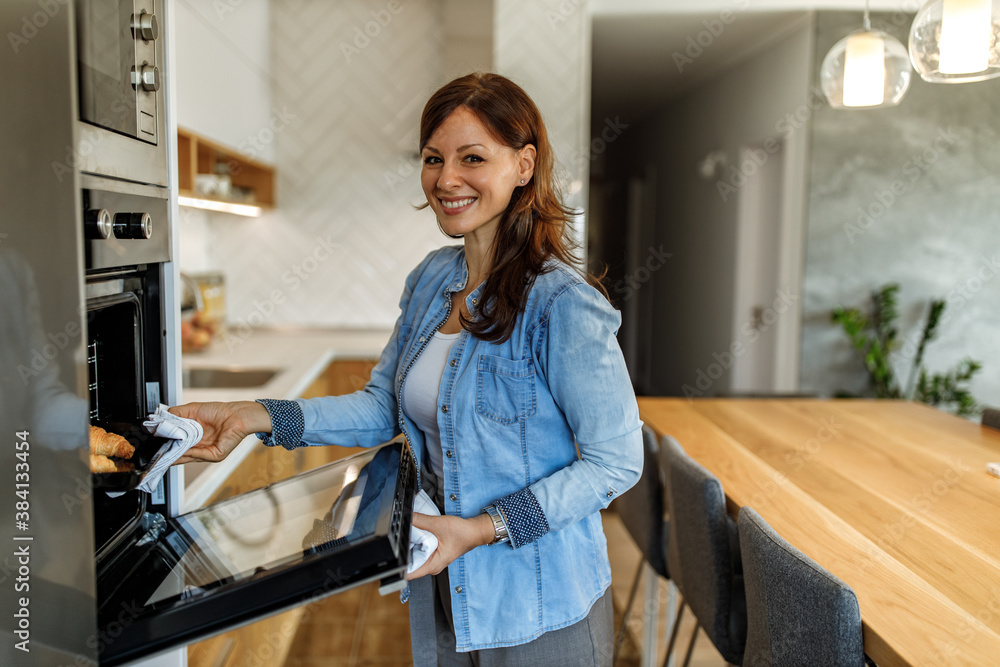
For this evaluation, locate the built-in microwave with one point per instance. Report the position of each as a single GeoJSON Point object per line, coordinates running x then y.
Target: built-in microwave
{"type": "Point", "coordinates": [119, 59]}
{"type": "Point", "coordinates": [121, 67]}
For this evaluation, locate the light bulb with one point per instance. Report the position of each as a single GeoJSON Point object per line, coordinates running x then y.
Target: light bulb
{"type": "Point", "coordinates": [864, 70]}
{"type": "Point", "coordinates": [868, 68]}
{"type": "Point", "coordinates": [965, 36]}
{"type": "Point", "coordinates": [956, 41]}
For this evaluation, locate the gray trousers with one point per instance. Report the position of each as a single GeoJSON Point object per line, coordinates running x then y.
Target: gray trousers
{"type": "Point", "coordinates": [587, 643]}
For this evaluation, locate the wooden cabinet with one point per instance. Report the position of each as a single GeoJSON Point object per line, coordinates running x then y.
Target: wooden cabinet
{"type": "Point", "coordinates": [267, 642]}
{"type": "Point", "coordinates": [198, 156]}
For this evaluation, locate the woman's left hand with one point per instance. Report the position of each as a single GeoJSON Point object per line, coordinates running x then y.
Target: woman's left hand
{"type": "Point", "coordinates": [456, 536]}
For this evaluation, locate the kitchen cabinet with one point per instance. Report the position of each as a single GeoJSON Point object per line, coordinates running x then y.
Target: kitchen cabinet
{"type": "Point", "coordinates": [268, 641]}
{"type": "Point", "coordinates": [234, 178]}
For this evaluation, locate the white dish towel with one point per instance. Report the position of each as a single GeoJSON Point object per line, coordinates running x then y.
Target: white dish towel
{"type": "Point", "coordinates": [422, 542]}
{"type": "Point", "coordinates": [183, 434]}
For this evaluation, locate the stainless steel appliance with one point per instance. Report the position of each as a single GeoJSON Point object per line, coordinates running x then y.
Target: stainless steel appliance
{"type": "Point", "coordinates": [166, 581]}
{"type": "Point", "coordinates": [120, 56]}
{"type": "Point", "coordinates": [89, 335]}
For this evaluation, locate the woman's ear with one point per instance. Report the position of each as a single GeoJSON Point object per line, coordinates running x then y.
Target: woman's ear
{"type": "Point", "coordinates": [526, 162]}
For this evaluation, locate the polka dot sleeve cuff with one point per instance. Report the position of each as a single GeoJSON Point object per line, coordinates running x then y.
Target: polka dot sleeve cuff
{"type": "Point", "coordinates": [287, 423]}
{"type": "Point", "coordinates": [524, 517]}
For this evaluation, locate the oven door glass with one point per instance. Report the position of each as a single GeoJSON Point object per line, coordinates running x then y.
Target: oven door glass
{"type": "Point", "coordinates": [256, 554]}
{"type": "Point", "coordinates": [106, 58]}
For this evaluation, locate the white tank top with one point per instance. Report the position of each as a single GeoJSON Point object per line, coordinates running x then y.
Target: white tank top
{"type": "Point", "coordinates": [420, 394]}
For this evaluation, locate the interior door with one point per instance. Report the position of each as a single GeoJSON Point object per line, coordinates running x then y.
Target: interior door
{"type": "Point", "coordinates": [321, 532]}
{"type": "Point", "coordinates": [757, 297]}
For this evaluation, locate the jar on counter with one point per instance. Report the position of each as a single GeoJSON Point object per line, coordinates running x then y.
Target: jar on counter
{"type": "Point", "coordinates": [213, 295]}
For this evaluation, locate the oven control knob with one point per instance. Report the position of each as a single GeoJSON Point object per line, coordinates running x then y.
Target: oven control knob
{"type": "Point", "coordinates": [97, 224]}
{"type": "Point", "coordinates": [133, 225]}
{"type": "Point", "coordinates": [145, 26]}
{"type": "Point", "coordinates": [147, 76]}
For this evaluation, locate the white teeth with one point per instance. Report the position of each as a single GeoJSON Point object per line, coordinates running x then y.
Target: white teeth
{"type": "Point", "coordinates": [458, 204]}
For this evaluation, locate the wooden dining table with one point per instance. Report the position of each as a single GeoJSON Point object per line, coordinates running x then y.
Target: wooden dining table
{"type": "Point", "coordinates": [892, 497]}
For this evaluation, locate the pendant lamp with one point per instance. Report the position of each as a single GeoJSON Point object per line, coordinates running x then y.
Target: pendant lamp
{"type": "Point", "coordinates": [956, 41]}
{"type": "Point", "coordinates": [868, 68]}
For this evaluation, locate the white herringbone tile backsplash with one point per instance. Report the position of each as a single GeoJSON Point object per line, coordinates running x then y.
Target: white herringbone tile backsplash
{"type": "Point", "coordinates": [345, 234]}
{"type": "Point", "coordinates": [351, 80]}
{"type": "Point", "coordinates": [544, 45]}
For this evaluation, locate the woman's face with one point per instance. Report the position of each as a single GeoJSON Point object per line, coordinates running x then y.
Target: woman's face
{"type": "Point", "coordinates": [468, 177]}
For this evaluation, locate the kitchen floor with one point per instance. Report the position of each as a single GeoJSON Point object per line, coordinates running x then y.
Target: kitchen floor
{"type": "Point", "coordinates": [360, 628]}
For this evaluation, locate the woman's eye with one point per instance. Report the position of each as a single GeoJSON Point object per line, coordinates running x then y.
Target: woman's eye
{"type": "Point", "coordinates": [473, 158]}
{"type": "Point", "coordinates": [432, 159]}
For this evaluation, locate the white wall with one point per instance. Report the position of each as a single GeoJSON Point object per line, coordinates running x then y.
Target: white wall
{"type": "Point", "coordinates": [692, 320]}
{"type": "Point", "coordinates": [224, 71]}
{"type": "Point", "coordinates": [544, 47]}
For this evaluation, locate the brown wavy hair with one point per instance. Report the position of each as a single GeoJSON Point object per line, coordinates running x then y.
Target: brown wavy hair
{"type": "Point", "coordinates": [536, 224]}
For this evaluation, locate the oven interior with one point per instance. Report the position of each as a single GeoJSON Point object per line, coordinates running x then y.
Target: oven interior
{"type": "Point", "coordinates": [123, 364]}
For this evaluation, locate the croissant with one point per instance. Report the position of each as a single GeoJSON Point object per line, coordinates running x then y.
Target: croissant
{"type": "Point", "coordinates": [101, 463]}
{"type": "Point", "coordinates": [109, 444]}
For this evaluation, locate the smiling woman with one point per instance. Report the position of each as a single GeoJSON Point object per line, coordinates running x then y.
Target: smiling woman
{"type": "Point", "coordinates": [505, 377]}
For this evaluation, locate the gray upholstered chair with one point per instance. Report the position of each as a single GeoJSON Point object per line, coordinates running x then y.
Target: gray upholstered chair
{"type": "Point", "coordinates": [799, 614]}
{"type": "Point", "coordinates": [703, 554]}
{"type": "Point", "coordinates": [641, 511]}
{"type": "Point", "coordinates": [991, 417]}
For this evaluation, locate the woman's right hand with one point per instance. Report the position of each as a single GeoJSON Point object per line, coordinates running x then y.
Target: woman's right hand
{"type": "Point", "coordinates": [225, 426]}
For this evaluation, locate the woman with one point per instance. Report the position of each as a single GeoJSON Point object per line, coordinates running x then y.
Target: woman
{"type": "Point", "coordinates": [504, 374]}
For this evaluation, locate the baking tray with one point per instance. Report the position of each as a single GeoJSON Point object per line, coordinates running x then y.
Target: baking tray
{"type": "Point", "coordinates": [146, 448]}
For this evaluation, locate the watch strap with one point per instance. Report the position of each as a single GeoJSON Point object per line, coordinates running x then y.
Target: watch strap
{"type": "Point", "coordinates": [500, 533]}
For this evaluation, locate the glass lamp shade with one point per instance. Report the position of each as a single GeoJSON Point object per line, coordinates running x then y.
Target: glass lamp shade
{"type": "Point", "coordinates": [868, 68]}
{"type": "Point", "coordinates": [956, 41]}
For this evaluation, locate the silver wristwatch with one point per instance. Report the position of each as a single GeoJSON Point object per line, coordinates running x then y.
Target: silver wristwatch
{"type": "Point", "coordinates": [499, 525]}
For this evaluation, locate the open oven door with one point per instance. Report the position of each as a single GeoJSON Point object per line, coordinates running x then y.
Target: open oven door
{"type": "Point", "coordinates": [178, 580]}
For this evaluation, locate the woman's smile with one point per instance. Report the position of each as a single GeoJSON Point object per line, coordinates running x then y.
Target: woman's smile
{"type": "Point", "coordinates": [454, 206]}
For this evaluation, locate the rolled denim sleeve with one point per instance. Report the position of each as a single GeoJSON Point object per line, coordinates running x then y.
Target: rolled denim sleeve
{"type": "Point", "coordinates": [578, 353]}
{"type": "Point", "coordinates": [287, 423]}
{"type": "Point", "coordinates": [523, 517]}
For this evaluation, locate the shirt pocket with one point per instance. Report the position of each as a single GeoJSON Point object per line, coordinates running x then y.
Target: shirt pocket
{"type": "Point", "coordinates": [505, 389]}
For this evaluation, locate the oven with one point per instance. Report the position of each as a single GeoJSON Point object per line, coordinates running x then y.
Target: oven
{"type": "Point", "coordinates": [96, 571]}
{"type": "Point", "coordinates": [165, 581]}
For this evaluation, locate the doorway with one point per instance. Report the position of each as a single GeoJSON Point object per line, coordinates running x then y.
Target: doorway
{"type": "Point", "coordinates": [758, 242]}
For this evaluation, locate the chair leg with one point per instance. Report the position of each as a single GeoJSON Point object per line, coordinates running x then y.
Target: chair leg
{"type": "Point", "coordinates": [673, 634]}
{"type": "Point", "coordinates": [690, 651]}
{"type": "Point", "coordinates": [650, 617]}
{"type": "Point", "coordinates": [628, 611]}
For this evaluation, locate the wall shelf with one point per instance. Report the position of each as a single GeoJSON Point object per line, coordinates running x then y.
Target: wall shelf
{"type": "Point", "coordinates": [199, 156]}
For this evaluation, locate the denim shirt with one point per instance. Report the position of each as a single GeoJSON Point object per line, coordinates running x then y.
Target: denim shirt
{"type": "Point", "coordinates": [512, 416]}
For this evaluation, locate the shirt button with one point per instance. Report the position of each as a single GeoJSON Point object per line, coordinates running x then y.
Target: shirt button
{"type": "Point", "coordinates": [475, 301]}
{"type": "Point", "coordinates": [610, 493]}
{"type": "Point", "coordinates": [453, 497]}
{"type": "Point", "coordinates": [444, 408]}
{"type": "Point", "coordinates": [422, 339]}
{"type": "Point", "coordinates": [399, 379]}
{"type": "Point", "coordinates": [458, 589]}
{"type": "Point", "coordinates": [449, 454]}
{"type": "Point", "coordinates": [454, 362]}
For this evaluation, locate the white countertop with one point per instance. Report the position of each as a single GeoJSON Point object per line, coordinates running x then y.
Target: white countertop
{"type": "Point", "coordinates": [299, 354]}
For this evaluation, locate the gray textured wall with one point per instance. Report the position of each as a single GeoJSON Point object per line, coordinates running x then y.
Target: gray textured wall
{"type": "Point", "coordinates": [908, 195]}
